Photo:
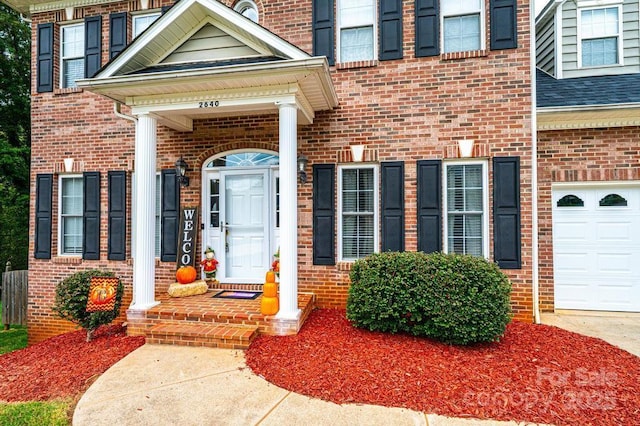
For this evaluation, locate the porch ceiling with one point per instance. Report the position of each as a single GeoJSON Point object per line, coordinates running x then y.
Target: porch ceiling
{"type": "Point", "coordinates": [177, 97]}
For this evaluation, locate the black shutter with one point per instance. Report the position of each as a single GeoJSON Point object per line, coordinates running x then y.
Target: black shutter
{"type": "Point", "coordinates": [117, 231]}
{"type": "Point", "coordinates": [429, 205]}
{"type": "Point", "coordinates": [324, 214]}
{"type": "Point", "coordinates": [117, 33]}
{"type": "Point", "coordinates": [392, 205]}
{"type": "Point", "coordinates": [390, 29]}
{"type": "Point", "coordinates": [92, 45]}
{"type": "Point", "coordinates": [323, 32]}
{"type": "Point", "coordinates": [506, 212]}
{"type": "Point", "coordinates": [170, 216]}
{"type": "Point", "coordinates": [427, 28]}
{"type": "Point", "coordinates": [44, 194]}
{"type": "Point", "coordinates": [504, 23]}
{"type": "Point", "coordinates": [91, 216]}
{"type": "Point", "coordinates": [44, 65]}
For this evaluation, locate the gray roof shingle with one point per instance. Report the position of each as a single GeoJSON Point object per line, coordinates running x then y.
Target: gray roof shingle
{"type": "Point", "coordinates": [598, 90]}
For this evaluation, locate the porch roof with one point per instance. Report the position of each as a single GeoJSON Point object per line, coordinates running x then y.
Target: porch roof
{"type": "Point", "coordinates": [202, 59]}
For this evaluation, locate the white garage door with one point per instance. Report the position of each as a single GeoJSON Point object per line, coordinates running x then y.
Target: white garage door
{"type": "Point", "coordinates": [596, 248]}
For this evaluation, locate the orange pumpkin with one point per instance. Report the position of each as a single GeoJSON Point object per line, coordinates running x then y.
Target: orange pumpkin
{"type": "Point", "coordinates": [269, 305]}
{"type": "Point", "coordinates": [186, 274]}
{"type": "Point", "coordinates": [270, 290]}
{"type": "Point", "coordinates": [271, 276]}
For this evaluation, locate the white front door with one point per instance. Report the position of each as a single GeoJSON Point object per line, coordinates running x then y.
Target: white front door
{"type": "Point", "coordinates": [238, 222]}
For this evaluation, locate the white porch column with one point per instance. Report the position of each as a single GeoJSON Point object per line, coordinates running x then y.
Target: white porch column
{"type": "Point", "coordinates": [144, 263]}
{"type": "Point", "coordinates": [288, 211]}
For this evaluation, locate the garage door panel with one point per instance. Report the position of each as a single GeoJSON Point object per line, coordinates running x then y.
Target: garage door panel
{"type": "Point", "coordinates": [572, 232]}
{"type": "Point", "coordinates": [597, 250]}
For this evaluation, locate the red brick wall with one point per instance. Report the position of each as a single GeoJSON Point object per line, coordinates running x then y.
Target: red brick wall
{"type": "Point", "coordinates": [408, 110]}
{"type": "Point", "coordinates": [589, 155]}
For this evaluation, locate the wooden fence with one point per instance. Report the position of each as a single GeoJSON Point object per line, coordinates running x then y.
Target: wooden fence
{"type": "Point", "coordinates": [14, 298]}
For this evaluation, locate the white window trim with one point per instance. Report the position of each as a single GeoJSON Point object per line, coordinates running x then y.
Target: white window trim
{"type": "Point", "coordinates": [376, 206]}
{"type": "Point", "coordinates": [136, 16]}
{"type": "Point", "coordinates": [61, 252]}
{"type": "Point", "coordinates": [619, 35]}
{"type": "Point", "coordinates": [245, 4]}
{"type": "Point", "coordinates": [339, 31]}
{"type": "Point", "coordinates": [62, 58]}
{"type": "Point", "coordinates": [483, 31]}
{"type": "Point", "coordinates": [485, 204]}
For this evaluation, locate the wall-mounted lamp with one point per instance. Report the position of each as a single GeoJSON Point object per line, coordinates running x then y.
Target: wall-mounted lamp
{"type": "Point", "coordinates": [302, 165]}
{"type": "Point", "coordinates": [68, 165]}
{"type": "Point", "coordinates": [181, 171]}
{"type": "Point", "coordinates": [466, 147]}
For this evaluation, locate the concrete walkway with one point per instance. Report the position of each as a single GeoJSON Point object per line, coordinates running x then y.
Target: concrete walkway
{"type": "Point", "coordinates": [176, 385]}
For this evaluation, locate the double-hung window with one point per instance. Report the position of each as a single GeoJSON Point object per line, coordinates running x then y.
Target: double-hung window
{"type": "Point", "coordinates": [357, 32]}
{"type": "Point", "coordinates": [462, 24]}
{"type": "Point", "coordinates": [466, 206]}
{"type": "Point", "coordinates": [71, 207]}
{"type": "Point", "coordinates": [142, 22]}
{"type": "Point", "coordinates": [358, 218]}
{"type": "Point", "coordinates": [600, 36]}
{"type": "Point", "coordinates": [72, 54]}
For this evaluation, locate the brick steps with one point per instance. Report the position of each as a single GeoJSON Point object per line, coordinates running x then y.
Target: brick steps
{"type": "Point", "coordinates": [213, 335]}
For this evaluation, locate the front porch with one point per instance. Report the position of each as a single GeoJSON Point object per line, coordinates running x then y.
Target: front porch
{"type": "Point", "coordinates": [203, 320]}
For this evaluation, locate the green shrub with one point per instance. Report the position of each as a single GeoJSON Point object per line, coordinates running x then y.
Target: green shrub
{"type": "Point", "coordinates": [71, 301]}
{"type": "Point", "coordinates": [452, 298]}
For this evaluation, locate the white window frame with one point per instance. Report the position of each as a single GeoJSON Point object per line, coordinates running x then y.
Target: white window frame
{"type": "Point", "coordinates": [485, 203]}
{"type": "Point", "coordinates": [376, 206]}
{"type": "Point", "coordinates": [135, 32]}
{"type": "Point", "coordinates": [463, 12]}
{"type": "Point", "coordinates": [66, 58]}
{"type": "Point", "coordinates": [619, 35]}
{"type": "Point", "coordinates": [158, 211]}
{"type": "Point", "coordinates": [61, 251]}
{"type": "Point", "coordinates": [340, 27]}
{"type": "Point", "coordinates": [243, 5]}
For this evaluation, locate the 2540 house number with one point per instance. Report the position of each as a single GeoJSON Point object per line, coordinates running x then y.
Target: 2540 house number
{"type": "Point", "coordinates": [208, 104]}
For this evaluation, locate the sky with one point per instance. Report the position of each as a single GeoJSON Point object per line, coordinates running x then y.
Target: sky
{"type": "Point", "coordinates": [539, 5]}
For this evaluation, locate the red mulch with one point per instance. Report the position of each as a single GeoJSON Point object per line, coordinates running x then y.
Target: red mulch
{"type": "Point", "coordinates": [536, 373]}
{"type": "Point", "coordinates": [62, 366]}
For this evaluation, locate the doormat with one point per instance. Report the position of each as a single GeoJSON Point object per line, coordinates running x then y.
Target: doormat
{"type": "Point", "coordinates": [237, 294]}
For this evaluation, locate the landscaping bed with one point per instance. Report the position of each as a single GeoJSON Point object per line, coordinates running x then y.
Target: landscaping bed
{"type": "Point", "coordinates": [536, 373]}
{"type": "Point", "coordinates": [62, 366]}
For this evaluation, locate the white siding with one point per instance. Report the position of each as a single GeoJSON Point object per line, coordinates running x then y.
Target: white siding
{"type": "Point", "coordinates": [210, 44]}
{"type": "Point", "coordinates": [545, 47]}
{"type": "Point", "coordinates": [630, 49]}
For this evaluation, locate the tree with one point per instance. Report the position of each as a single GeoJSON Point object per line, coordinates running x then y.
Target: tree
{"type": "Point", "coordinates": [15, 137]}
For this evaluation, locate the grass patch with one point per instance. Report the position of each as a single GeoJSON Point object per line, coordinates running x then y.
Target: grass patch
{"type": "Point", "coordinates": [52, 413]}
{"type": "Point", "coordinates": [12, 339]}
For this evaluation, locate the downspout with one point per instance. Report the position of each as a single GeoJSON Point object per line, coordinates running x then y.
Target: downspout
{"type": "Point", "coordinates": [534, 173]}
{"type": "Point", "coordinates": [118, 113]}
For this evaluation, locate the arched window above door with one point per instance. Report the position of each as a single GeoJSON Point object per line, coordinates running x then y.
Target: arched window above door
{"type": "Point", "coordinates": [245, 159]}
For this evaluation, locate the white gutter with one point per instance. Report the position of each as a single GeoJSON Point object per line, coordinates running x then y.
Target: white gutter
{"type": "Point", "coordinates": [534, 176]}
{"type": "Point", "coordinates": [116, 110]}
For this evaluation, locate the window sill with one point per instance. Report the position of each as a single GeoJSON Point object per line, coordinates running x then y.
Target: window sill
{"type": "Point", "coordinates": [344, 265]}
{"type": "Point", "coordinates": [452, 56]}
{"type": "Point", "coordinates": [67, 90]}
{"type": "Point", "coordinates": [67, 260]}
{"type": "Point", "coordinates": [356, 64]}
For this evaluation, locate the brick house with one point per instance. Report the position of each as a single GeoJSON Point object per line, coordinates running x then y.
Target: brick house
{"type": "Point", "coordinates": [588, 118]}
{"type": "Point", "coordinates": [378, 97]}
